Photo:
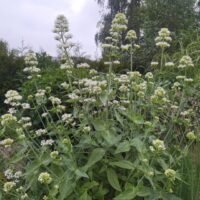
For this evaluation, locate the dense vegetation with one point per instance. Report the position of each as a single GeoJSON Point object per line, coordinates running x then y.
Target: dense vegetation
{"type": "Point", "coordinates": [118, 128]}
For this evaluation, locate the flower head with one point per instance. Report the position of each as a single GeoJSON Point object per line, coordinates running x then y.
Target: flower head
{"type": "Point", "coordinates": [45, 178]}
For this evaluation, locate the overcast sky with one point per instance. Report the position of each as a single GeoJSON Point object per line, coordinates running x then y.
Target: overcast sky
{"type": "Point", "coordinates": [33, 21]}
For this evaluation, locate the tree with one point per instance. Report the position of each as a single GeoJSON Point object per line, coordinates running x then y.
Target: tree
{"type": "Point", "coordinates": [11, 75]}
{"type": "Point", "coordinates": [176, 15]}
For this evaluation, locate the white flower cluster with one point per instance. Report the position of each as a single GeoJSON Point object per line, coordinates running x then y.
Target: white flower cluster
{"type": "Point", "coordinates": [25, 122]}
{"type": "Point", "coordinates": [83, 65]}
{"type": "Point", "coordinates": [7, 142]}
{"type": "Point", "coordinates": [163, 38]}
{"type": "Point", "coordinates": [171, 174]}
{"type": "Point", "coordinates": [66, 66]}
{"type": "Point", "coordinates": [10, 175]}
{"type": "Point", "coordinates": [185, 62]}
{"type": "Point", "coordinates": [61, 29]}
{"type": "Point", "coordinates": [159, 96]}
{"type": "Point", "coordinates": [8, 186]}
{"type": "Point", "coordinates": [7, 119]}
{"type": "Point", "coordinates": [40, 96]}
{"type": "Point", "coordinates": [93, 86]}
{"type": "Point", "coordinates": [45, 178]}
{"type": "Point", "coordinates": [158, 145]}
{"type": "Point", "coordinates": [131, 35]}
{"type": "Point", "coordinates": [55, 100]}
{"type": "Point", "coordinates": [154, 64]}
{"type": "Point", "coordinates": [31, 62]}
{"type": "Point", "coordinates": [40, 132]}
{"type": "Point", "coordinates": [48, 142]}
{"type": "Point", "coordinates": [119, 24]}
{"type": "Point", "coordinates": [12, 98]}
{"type": "Point", "coordinates": [61, 25]}
{"type": "Point", "coordinates": [67, 118]}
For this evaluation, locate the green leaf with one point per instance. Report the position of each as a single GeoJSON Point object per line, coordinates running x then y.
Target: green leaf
{"type": "Point", "coordinates": [123, 147]}
{"type": "Point", "coordinates": [113, 179]}
{"type": "Point", "coordinates": [66, 186]}
{"type": "Point", "coordinates": [138, 144]}
{"type": "Point", "coordinates": [96, 155]}
{"type": "Point", "coordinates": [125, 164]}
{"type": "Point", "coordinates": [81, 174]}
{"type": "Point", "coordinates": [119, 118]}
{"type": "Point", "coordinates": [85, 196]}
{"type": "Point", "coordinates": [128, 194]}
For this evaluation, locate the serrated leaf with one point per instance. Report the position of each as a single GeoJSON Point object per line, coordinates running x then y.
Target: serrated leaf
{"type": "Point", "coordinates": [125, 164]}
{"type": "Point", "coordinates": [113, 179]}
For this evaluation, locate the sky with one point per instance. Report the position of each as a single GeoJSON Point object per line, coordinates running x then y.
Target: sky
{"type": "Point", "coordinates": [33, 20]}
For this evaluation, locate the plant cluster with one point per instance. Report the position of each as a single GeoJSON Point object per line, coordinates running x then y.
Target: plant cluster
{"type": "Point", "coordinates": [98, 136]}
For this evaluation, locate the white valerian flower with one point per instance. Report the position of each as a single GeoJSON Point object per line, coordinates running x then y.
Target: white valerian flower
{"type": "Point", "coordinates": [171, 174]}
{"type": "Point", "coordinates": [123, 79]}
{"type": "Point", "coordinates": [123, 88]}
{"type": "Point", "coordinates": [55, 100]}
{"type": "Point", "coordinates": [191, 136]}
{"type": "Point", "coordinates": [8, 186]}
{"type": "Point", "coordinates": [106, 46]}
{"type": "Point", "coordinates": [40, 96]}
{"type": "Point", "coordinates": [66, 66]}
{"type": "Point", "coordinates": [158, 145]}
{"type": "Point", "coordinates": [185, 62]}
{"type": "Point", "coordinates": [163, 38]}
{"type": "Point", "coordinates": [26, 122]}
{"type": "Point", "coordinates": [40, 132]}
{"type": "Point", "coordinates": [67, 118]}
{"type": "Point", "coordinates": [86, 129]}
{"type": "Point", "coordinates": [107, 63]}
{"type": "Point", "coordinates": [176, 85]}
{"type": "Point", "coordinates": [73, 96]}
{"type": "Point", "coordinates": [169, 64]}
{"type": "Point", "coordinates": [188, 80]}
{"type": "Point", "coordinates": [24, 196]}
{"type": "Point", "coordinates": [25, 106]}
{"type": "Point", "coordinates": [125, 47]}
{"type": "Point", "coordinates": [119, 23]}
{"type": "Point", "coordinates": [54, 154]}
{"type": "Point", "coordinates": [131, 35]}
{"type": "Point", "coordinates": [7, 119]}
{"type": "Point", "coordinates": [31, 62]}
{"type": "Point", "coordinates": [45, 178]}
{"type": "Point", "coordinates": [9, 174]}
{"type": "Point", "coordinates": [12, 110]}
{"type": "Point", "coordinates": [44, 115]}
{"type": "Point", "coordinates": [134, 75]}
{"type": "Point", "coordinates": [83, 65]}
{"type": "Point", "coordinates": [154, 64]}
{"type": "Point", "coordinates": [18, 175]}
{"type": "Point", "coordinates": [65, 85]}
{"type": "Point", "coordinates": [61, 29]}
{"type": "Point", "coordinates": [149, 75]}
{"type": "Point", "coordinates": [7, 142]}
{"type": "Point", "coordinates": [89, 100]}
{"type": "Point", "coordinates": [93, 72]}
{"type": "Point", "coordinates": [116, 62]}
{"type": "Point", "coordinates": [12, 98]}
{"type": "Point", "coordinates": [48, 142]}
{"type": "Point", "coordinates": [60, 108]}
{"type": "Point", "coordinates": [180, 77]}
